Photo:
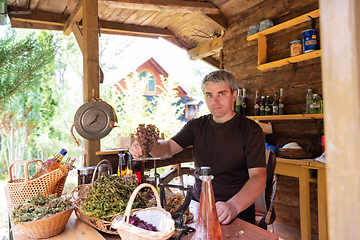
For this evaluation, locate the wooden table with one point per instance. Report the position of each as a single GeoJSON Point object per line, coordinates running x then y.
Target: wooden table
{"type": "Point", "coordinates": [300, 169]}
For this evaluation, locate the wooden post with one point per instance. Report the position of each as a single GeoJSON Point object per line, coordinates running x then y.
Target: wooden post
{"type": "Point", "coordinates": [91, 68]}
{"type": "Point", "coordinates": [340, 66]}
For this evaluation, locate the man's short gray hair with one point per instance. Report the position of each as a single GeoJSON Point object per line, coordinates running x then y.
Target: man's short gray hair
{"type": "Point", "coordinates": [220, 76]}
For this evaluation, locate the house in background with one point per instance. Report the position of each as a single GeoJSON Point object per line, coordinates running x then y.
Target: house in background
{"type": "Point", "coordinates": [152, 71]}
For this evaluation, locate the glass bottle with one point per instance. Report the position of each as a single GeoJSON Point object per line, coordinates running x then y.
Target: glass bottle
{"type": "Point", "coordinates": [267, 106]}
{"type": "Point", "coordinates": [122, 164]}
{"type": "Point", "coordinates": [309, 97]}
{"type": "Point", "coordinates": [208, 226]}
{"type": "Point", "coordinates": [262, 106]}
{"type": "Point", "coordinates": [315, 106]}
{"type": "Point", "coordinates": [281, 103]}
{"type": "Point", "coordinates": [137, 167]}
{"type": "Point", "coordinates": [243, 104]}
{"type": "Point", "coordinates": [51, 164]}
{"type": "Point", "coordinates": [275, 106]}
{"type": "Point", "coordinates": [238, 100]}
{"type": "Point", "coordinates": [257, 104]}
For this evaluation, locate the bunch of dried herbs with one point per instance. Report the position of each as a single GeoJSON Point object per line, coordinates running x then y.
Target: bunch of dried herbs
{"type": "Point", "coordinates": [109, 196]}
{"type": "Point", "coordinates": [148, 137]}
{"type": "Point", "coordinates": [39, 207]}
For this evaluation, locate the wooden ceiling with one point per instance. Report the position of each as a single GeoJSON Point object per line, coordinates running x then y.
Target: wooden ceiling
{"type": "Point", "coordinates": [194, 25]}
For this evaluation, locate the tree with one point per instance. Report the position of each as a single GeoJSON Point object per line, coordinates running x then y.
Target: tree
{"type": "Point", "coordinates": [25, 59]}
{"type": "Point", "coordinates": [132, 108]}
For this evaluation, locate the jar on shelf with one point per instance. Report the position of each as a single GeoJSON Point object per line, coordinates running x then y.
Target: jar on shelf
{"type": "Point", "coordinates": [85, 175]}
{"type": "Point", "coordinates": [295, 48]}
{"type": "Point", "coordinates": [103, 170]}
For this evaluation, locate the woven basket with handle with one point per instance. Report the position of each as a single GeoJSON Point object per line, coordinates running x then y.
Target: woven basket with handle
{"type": "Point", "coordinates": [128, 231]}
{"type": "Point", "coordinates": [79, 194]}
{"type": "Point", "coordinates": [22, 189]}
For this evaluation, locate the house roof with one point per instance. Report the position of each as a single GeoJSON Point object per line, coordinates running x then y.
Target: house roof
{"type": "Point", "coordinates": [188, 24]}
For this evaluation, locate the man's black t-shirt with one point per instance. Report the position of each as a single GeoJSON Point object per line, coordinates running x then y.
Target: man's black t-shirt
{"type": "Point", "coordinates": [229, 148]}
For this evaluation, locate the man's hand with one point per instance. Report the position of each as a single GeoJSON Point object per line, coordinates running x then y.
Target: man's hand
{"type": "Point", "coordinates": [135, 149]}
{"type": "Point", "coordinates": [226, 212]}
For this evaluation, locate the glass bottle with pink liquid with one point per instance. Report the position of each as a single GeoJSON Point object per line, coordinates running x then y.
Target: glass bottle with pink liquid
{"type": "Point", "coordinates": [208, 226]}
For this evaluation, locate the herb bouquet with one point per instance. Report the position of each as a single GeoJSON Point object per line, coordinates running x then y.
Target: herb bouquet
{"type": "Point", "coordinates": [147, 136]}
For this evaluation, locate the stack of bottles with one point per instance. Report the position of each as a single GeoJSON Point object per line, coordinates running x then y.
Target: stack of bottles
{"type": "Point", "coordinates": [265, 106]}
{"type": "Point", "coordinates": [314, 103]}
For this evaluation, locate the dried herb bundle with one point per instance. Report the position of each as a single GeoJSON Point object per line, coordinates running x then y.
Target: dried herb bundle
{"type": "Point", "coordinates": [109, 196]}
{"type": "Point", "coordinates": [148, 137]}
{"type": "Point", "coordinates": [39, 207]}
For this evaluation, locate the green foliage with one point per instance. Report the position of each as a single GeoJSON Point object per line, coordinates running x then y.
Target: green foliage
{"type": "Point", "coordinates": [23, 62]}
{"type": "Point", "coordinates": [132, 108]}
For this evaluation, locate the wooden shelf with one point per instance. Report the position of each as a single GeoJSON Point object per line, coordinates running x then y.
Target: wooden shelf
{"type": "Point", "coordinates": [289, 60]}
{"type": "Point", "coordinates": [288, 117]}
{"type": "Point", "coordinates": [287, 24]}
{"type": "Point", "coordinates": [262, 46]}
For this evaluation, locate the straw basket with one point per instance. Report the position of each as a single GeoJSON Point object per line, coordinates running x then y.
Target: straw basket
{"type": "Point", "coordinates": [22, 189]}
{"type": "Point", "coordinates": [47, 227]}
{"type": "Point", "coordinates": [79, 194]}
{"type": "Point", "coordinates": [128, 231]}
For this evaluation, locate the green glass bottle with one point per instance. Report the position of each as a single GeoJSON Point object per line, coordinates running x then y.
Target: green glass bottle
{"type": "Point", "coordinates": [267, 106]}
{"type": "Point", "coordinates": [238, 101]}
{"type": "Point", "coordinates": [275, 105]}
{"type": "Point", "coordinates": [262, 106]}
{"type": "Point", "coordinates": [281, 102]}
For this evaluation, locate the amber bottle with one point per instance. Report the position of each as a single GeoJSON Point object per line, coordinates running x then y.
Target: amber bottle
{"type": "Point", "coordinates": [208, 226]}
{"type": "Point", "coordinates": [51, 164]}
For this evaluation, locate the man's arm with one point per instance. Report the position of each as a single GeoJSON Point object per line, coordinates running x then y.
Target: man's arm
{"type": "Point", "coordinates": [252, 189]}
{"type": "Point", "coordinates": [164, 148]}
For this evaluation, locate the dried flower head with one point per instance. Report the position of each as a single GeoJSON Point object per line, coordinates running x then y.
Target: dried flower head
{"type": "Point", "coordinates": [147, 136]}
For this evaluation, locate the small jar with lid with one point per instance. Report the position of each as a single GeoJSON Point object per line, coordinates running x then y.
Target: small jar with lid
{"type": "Point", "coordinates": [103, 170]}
{"type": "Point", "coordinates": [85, 175]}
{"type": "Point", "coordinates": [295, 48]}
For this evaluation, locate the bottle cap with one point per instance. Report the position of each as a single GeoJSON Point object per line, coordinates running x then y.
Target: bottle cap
{"type": "Point", "coordinates": [63, 152]}
{"type": "Point", "coordinates": [205, 171]}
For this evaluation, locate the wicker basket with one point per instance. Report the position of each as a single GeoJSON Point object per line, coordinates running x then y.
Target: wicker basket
{"type": "Point", "coordinates": [47, 227]}
{"type": "Point", "coordinates": [79, 194]}
{"type": "Point", "coordinates": [22, 189]}
{"type": "Point", "coordinates": [128, 231]}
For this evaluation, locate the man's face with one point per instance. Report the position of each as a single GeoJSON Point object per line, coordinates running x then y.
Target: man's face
{"type": "Point", "coordinates": [219, 99]}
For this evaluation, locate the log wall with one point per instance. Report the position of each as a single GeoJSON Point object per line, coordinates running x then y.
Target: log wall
{"type": "Point", "coordinates": [240, 57]}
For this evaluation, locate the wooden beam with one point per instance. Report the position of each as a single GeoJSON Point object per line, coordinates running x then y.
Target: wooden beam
{"type": "Point", "coordinates": [134, 29]}
{"type": "Point", "coordinates": [50, 20]}
{"type": "Point", "coordinates": [162, 5]}
{"type": "Point", "coordinates": [35, 16]}
{"type": "Point", "coordinates": [212, 61]}
{"type": "Point", "coordinates": [340, 69]}
{"type": "Point", "coordinates": [91, 69]}
{"type": "Point", "coordinates": [207, 49]}
{"type": "Point", "coordinates": [75, 17]}
{"type": "Point", "coordinates": [219, 19]}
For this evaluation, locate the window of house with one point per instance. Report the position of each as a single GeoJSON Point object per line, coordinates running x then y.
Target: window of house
{"type": "Point", "coordinates": [148, 76]}
{"type": "Point", "coordinates": [190, 111]}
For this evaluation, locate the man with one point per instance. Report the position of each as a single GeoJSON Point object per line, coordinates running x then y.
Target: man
{"type": "Point", "coordinates": [231, 144]}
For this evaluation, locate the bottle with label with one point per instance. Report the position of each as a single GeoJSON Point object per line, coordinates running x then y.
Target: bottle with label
{"type": "Point", "coordinates": [309, 99]}
{"type": "Point", "coordinates": [208, 226]}
{"type": "Point", "coordinates": [257, 104]}
{"type": "Point", "coordinates": [315, 106]}
{"type": "Point", "coordinates": [275, 105]}
{"type": "Point", "coordinates": [238, 101]}
{"type": "Point", "coordinates": [122, 164]}
{"type": "Point", "coordinates": [262, 106]}
{"type": "Point", "coordinates": [281, 102]}
{"type": "Point", "coordinates": [51, 164]}
{"type": "Point", "coordinates": [267, 106]}
{"type": "Point", "coordinates": [243, 104]}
